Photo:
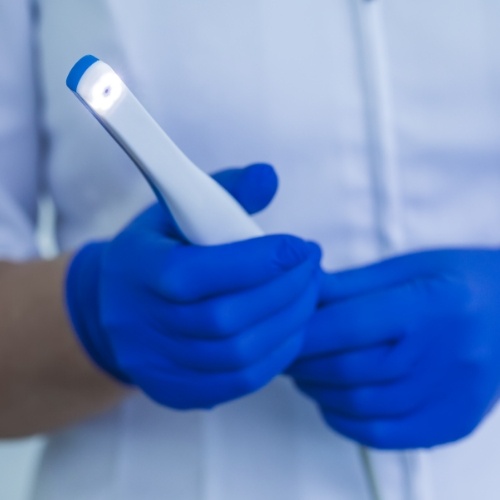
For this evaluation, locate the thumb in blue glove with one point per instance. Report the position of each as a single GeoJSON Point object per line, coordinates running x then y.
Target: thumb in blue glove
{"type": "Point", "coordinates": [406, 353]}
{"type": "Point", "coordinates": [193, 326]}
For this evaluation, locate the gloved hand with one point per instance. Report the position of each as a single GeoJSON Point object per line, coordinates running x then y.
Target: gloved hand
{"type": "Point", "coordinates": [195, 326]}
{"type": "Point", "coordinates": [406, 353]}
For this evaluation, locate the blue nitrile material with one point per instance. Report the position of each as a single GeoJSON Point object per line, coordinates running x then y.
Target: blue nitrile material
{"type": "Point", "coordinates": [79, 70]}
{"type": "Point", "coordinates": [85, 271]}
{"type": "Point", "coordinates": [404, 353]}
{"type": "Point", "coordinates": [195, 326]}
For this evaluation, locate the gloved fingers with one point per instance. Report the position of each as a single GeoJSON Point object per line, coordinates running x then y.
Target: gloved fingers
{"type": "Point", "coordinates": [389, 315]}
{"type": "Point", "coordinates": [189, 274]}
{"type": "Point", "coordinates": [383, 434]}
{"type": "Point", "coordinates": [374, 365]}
{"type": "Point", "coordinates": [228, 315]}
{"type": "Point", "coordinates": [182, 389]}
{"type": "Point", "coordinates": [388, 273]}
{"type": "Point", "coordinates": [361, 322]}
{"type": "Point", "coordinates": [386, 400]}
{"type": "Point", "coordinates": [242, 350]}
{"type": "Point", "coordinates": [379, 363]}
{"type": "Point", "coordinates": [253, 187]}
{"type": "Point", "coordinates": [434, 424]}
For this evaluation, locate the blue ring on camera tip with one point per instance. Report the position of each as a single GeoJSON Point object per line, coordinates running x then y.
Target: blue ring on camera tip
{"type": "Point", "coordinates": [79, 70]}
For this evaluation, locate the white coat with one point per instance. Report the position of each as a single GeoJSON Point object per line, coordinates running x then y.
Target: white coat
{"type": "Point", "coordinates": [383, 121]}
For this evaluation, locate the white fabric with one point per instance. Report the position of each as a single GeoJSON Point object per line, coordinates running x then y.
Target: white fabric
{"type": "Point", "coordinates": [19, 149]}
{"type": "Point", "coordinates": [384, 124]}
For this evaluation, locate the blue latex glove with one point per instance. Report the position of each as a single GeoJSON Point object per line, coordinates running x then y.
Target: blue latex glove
{"type": "Point", "coordinates": [406, 353]}
{"type": "Point", "coordinates": [195, 326]}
